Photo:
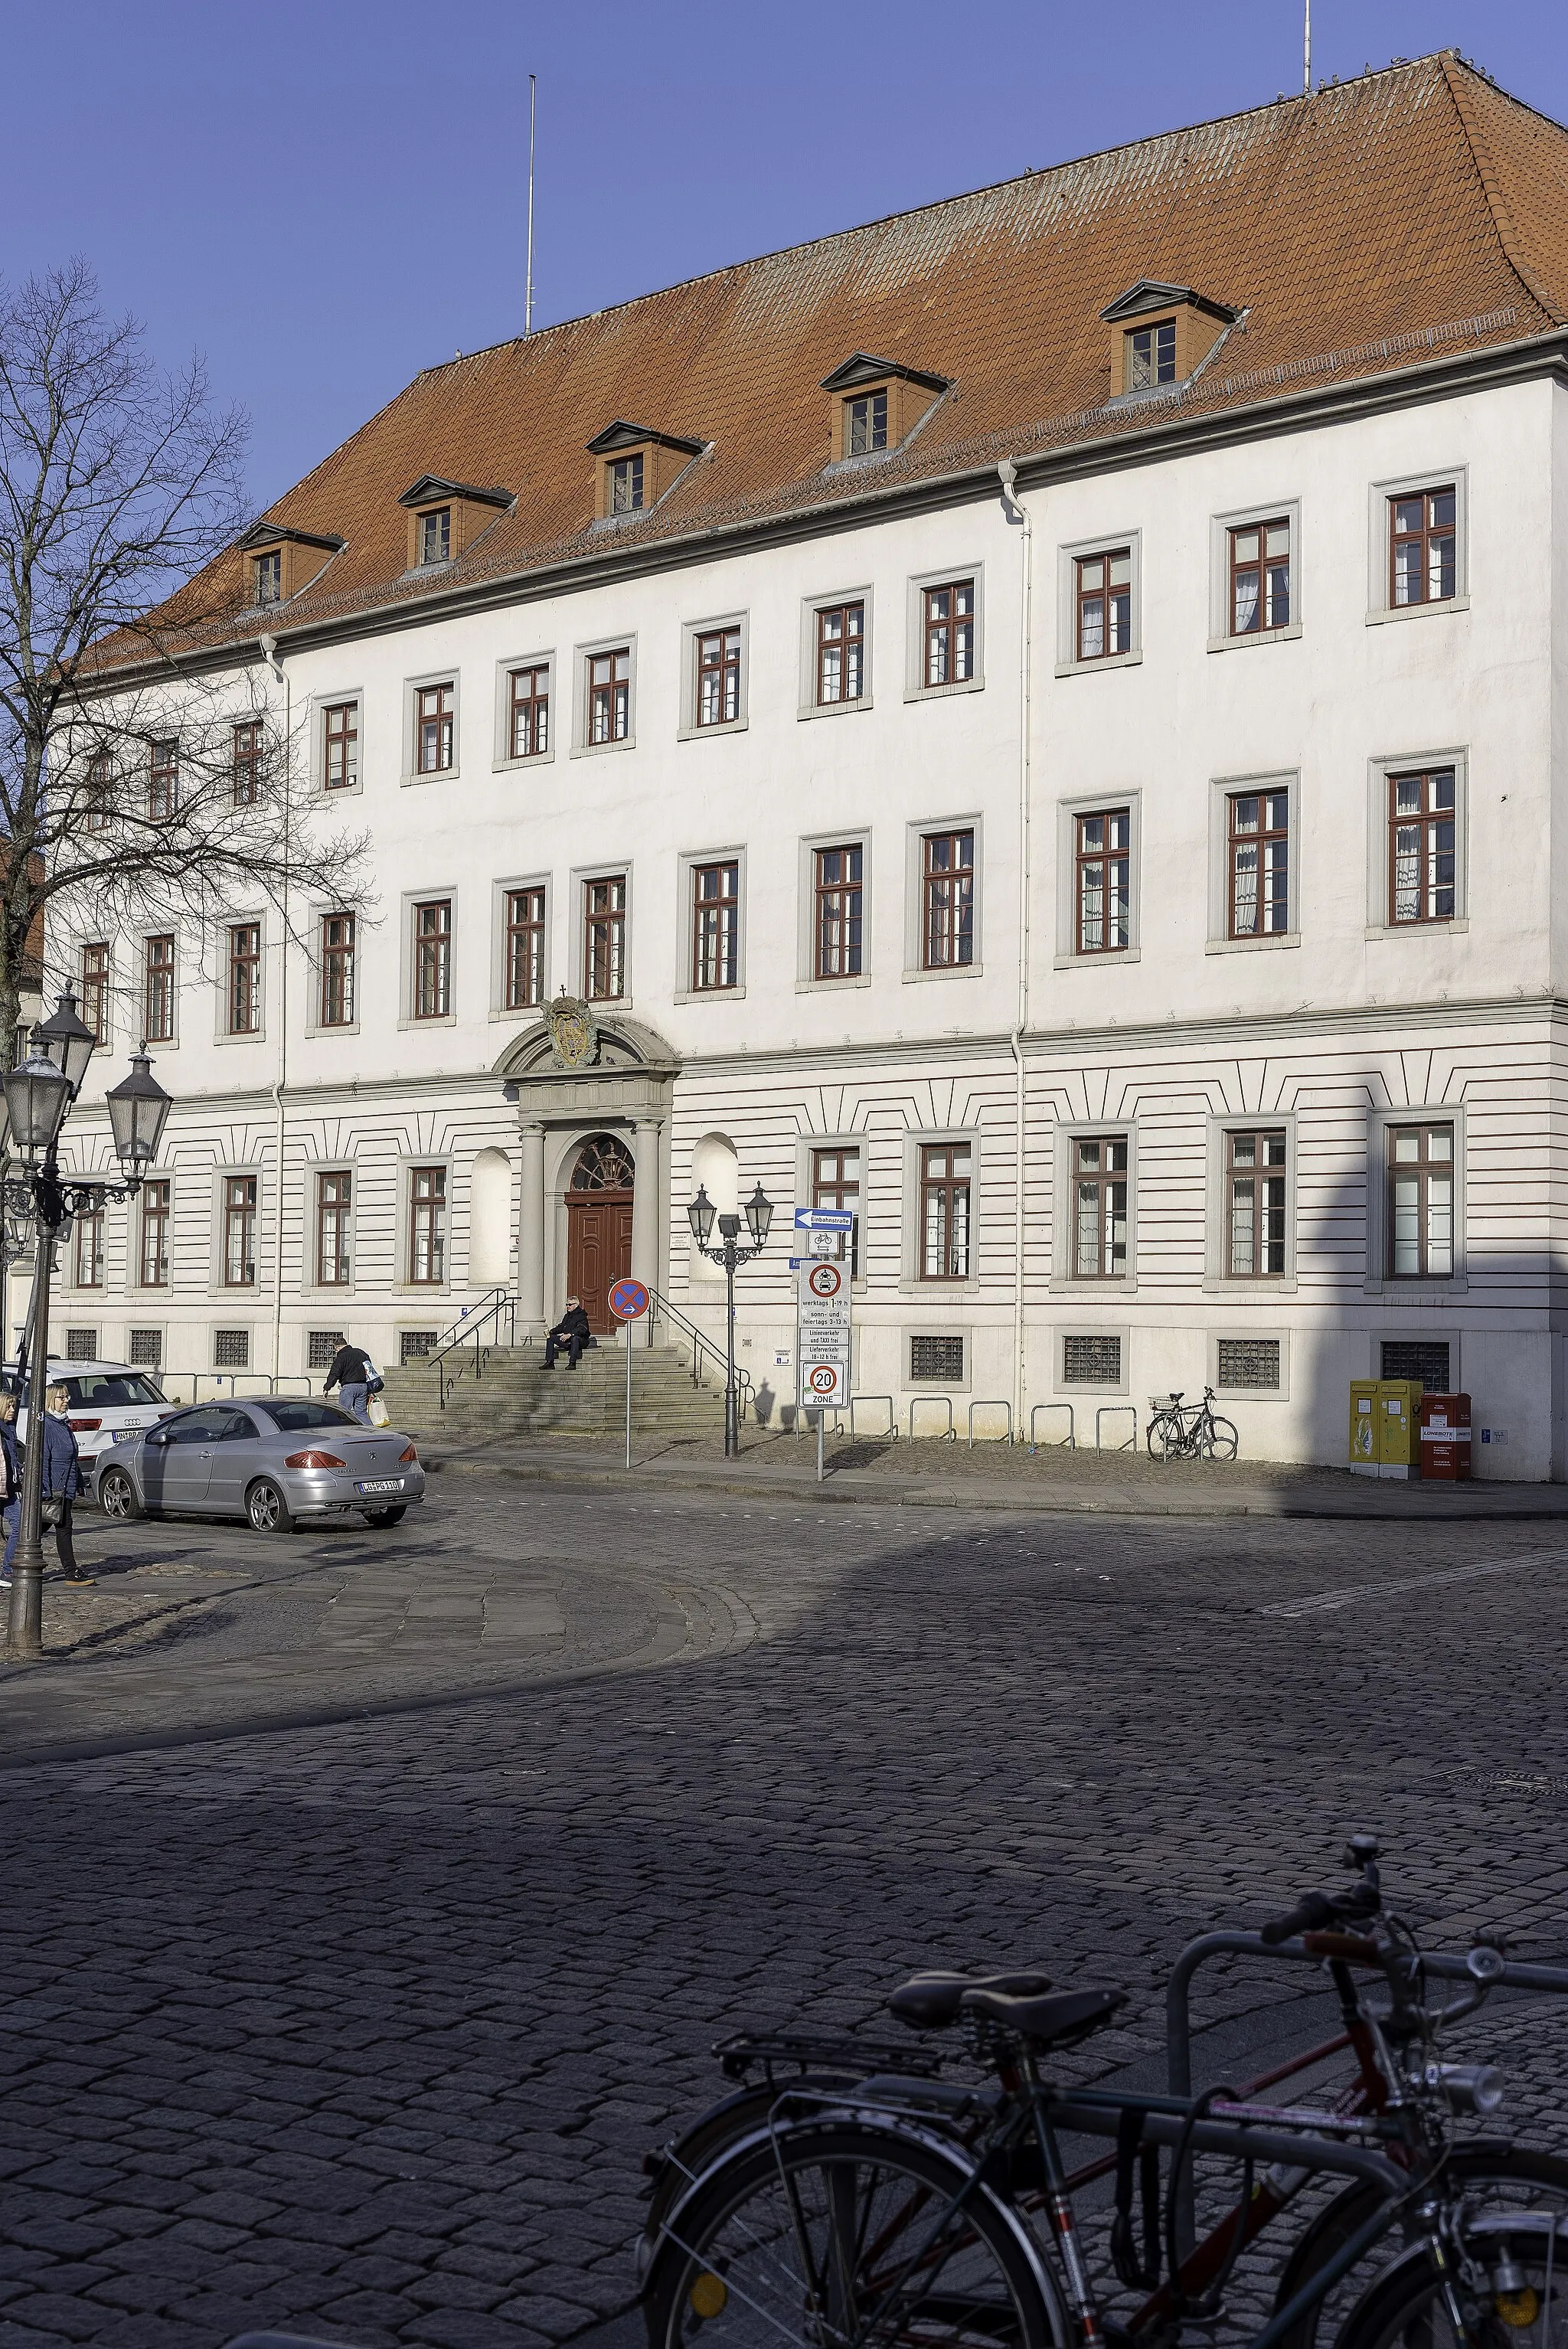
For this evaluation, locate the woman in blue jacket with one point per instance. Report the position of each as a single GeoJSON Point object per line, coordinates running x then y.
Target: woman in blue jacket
{"type": "Point", "coordinates": [62, 1476]}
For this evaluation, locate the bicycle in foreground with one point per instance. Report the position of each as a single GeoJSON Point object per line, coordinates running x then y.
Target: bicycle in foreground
{"type": "Point", "coordinates": [901, 2208]}
{"type": "Point", "coordinates": [1194, 1432]}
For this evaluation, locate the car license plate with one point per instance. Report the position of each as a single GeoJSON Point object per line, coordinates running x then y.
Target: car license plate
{"type": "Point", "coordinates": [381, 1485]}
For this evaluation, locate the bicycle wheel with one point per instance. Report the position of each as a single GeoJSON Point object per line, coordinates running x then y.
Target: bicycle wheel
{"type": "Point", "coordinates": [1165, 1438]}
{"type": "Point", "coordinates": [1517, 2282]}
{"type": "Point", "coordinates": [1219, 1439]}
{"type": "Point", "coordinates": [1494, 2180]}
{"type": "Point", "coordinates": [839, 2235]}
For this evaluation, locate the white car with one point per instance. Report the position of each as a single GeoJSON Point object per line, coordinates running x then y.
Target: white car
{"type": "Point", "coordinates": [106, 1400]}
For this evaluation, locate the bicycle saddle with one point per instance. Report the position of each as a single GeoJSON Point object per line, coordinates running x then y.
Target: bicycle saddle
{"type": "Point", "coordinates": [929, 2001]}
{"type": "Point", "coordinates": [1058, 2022]}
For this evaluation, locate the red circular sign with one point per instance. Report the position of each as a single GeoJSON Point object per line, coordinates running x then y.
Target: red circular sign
{"type": "Point", "coordinates": [824, 1379]}
{"type": "Point", "coordinates": [628, 1300]}
{"type": "Point", "coordinates": [824, 1280]}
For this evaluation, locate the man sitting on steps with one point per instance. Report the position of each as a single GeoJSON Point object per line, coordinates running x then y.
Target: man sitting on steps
{"type": "Point", "coordinates": [571, 1331]}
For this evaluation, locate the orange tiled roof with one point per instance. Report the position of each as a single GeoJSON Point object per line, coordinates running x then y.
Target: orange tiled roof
{"type": "Point", "coordinates": [1413, 213]}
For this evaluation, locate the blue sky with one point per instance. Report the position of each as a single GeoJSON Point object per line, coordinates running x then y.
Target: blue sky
{"type": "Point", "coordinates": [323, 198]}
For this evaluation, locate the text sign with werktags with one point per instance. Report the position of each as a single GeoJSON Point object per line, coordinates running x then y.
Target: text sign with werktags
{"type": "Point", "coordinates": [823, 1335]}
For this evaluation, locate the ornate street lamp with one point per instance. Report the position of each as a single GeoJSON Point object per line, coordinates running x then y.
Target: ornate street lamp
{"type": "Point", "coordinates": [38, 1096]}
{"type": "Point", "coordinates": [759, 1220]}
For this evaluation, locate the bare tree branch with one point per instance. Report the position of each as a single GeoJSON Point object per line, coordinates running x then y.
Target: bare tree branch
{"type": "Point", "coordinates": [117, 483]}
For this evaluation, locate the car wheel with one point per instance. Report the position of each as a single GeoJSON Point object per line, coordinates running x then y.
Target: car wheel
{"type": "Point", "coordinates": [387, 1516]}
{"type": "Point", "coordinates": [266, 1510]}
{"type": "Point", "coordinates": [116, 1497]}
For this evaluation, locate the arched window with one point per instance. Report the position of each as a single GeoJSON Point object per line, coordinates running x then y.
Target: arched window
{"type": "Point", "coordinates": [604, 1164]}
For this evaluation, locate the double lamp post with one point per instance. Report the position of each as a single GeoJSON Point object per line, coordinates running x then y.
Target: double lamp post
{"type": "Point", "coordinates": [701, 1215]}
{"type": "Point", "coordinates": [38, 1099]}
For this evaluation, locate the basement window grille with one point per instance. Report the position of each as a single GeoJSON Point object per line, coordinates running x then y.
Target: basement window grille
{"type": "Point", "coordinates": [231, 1349]}
{"type": "Point", "coordinates": [1091, 1361]}
{"type": "Point", "coordinates": [323, 1344]}
{"type": "Point", "coordinates": [147, 1349]}
{"type": "Point", "coordinates": [936, 1358]}
{"type": "Point", "coordinates": [1249, 1362]}
{"type": "Point", "coordinates": [1426, 1359]}
{"type": "Point", "coordinates": [81, 1346]}
{"type": "Point", "coordinates": [415, 1344]}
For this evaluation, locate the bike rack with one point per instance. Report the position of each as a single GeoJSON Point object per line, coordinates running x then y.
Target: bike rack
{"type": "Point", "coordinates": [1070, 1444]}
{"type": "Point", "coordinates": [998, 1405]}
{"type": "Point", "coordinates": [892, 1414]}
{"type": "Point", "coordinates": [931, 1404]}
{"type": "Point", "coordinates": [1110, 1410]}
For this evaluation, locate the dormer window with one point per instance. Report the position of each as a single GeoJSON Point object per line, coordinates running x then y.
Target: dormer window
{"type": "Point", "coordinates": [282, 562]}
{"type": "Point", "coordinates": [636, 467]}
{"type": "Point", "coordinates": [1162, 335]}
{"type": "Point", "coordinates": [878, 404]}
{"type": "Point", "coordinates": [445, 517]}
{"type": "Point", "coordinates": [867, 424]}
{"type": "Point", "coordinates": [1150, 355]}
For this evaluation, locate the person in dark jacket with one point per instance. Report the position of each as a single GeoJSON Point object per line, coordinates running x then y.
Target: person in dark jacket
{"type": "Point", "coordinates": [570, 1334]}
{"type": "Point", "coordinates": [62, 1476]}
{"type": "Point", "coordinates": [350, 1372]}
{"type": "Point", "coordinates": [10, 1483]}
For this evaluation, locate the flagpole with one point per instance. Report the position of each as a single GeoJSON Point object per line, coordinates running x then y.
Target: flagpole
{"type": "Point", "coordinates": [528, 286]}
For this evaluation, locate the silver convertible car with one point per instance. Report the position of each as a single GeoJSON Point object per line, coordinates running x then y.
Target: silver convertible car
{"type": "Point", "coordinates": [271, 1459]}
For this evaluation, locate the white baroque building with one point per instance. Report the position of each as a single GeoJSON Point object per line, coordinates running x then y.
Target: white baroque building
{"type": "Point", "coordinates": [1038, 720]}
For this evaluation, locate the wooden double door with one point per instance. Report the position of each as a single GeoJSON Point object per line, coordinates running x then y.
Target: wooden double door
{"type": "Point", "coordinates": [598, 1251]}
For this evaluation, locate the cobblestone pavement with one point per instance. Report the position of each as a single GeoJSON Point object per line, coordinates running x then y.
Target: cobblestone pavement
{"type": "Point", "coordinates": [353, 1958]}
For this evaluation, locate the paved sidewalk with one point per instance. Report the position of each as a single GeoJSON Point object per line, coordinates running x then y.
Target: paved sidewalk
{"type": "Point", "coordinates": [945, 1475]}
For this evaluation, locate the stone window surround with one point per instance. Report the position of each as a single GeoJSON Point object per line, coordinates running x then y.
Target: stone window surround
{"type": "Point", "coordinates": [1379, 539]}
{"type": "Point", "coordinates": [915, 687]}
{"type": "Point", "coordinates": [409, 900]}
{"type": "Point", "coordinates": [1070, 1390]}
{"type": "Point", "coordinates": [232, 920]}
{"type": "Point", "coordinates": [318, 913]}
{"type": "Point", "coordinates": [412, 688]}
{"type": "Point", "coordinates": [217, 1288]}
{"type": "Point", "coordinates": [1067, 957]}
{"type": "Point", "coordinates": [501, 760]}
{"type": "Point", "coordinates": [917, 1387]}
{"type": "Point", "coordinates": [607, 868]}
{"type": "Point", "coordinates": [688, 729]}
{"type": "Point", "coordinates": [320, 703]}
{"type": "Point", "coordinates": [1220, 640]}
{"type": "Point", "coordinates": [915, 837]}
{"type": "Point", "coordinates": [1103, 542]}
{"type": "Point", "coordinates": [400, 1286]}
{"type": "Point", "coordinates": [317, 1291]}
{"type": "Point", "coordinates": [1379, 1281]}
{"type": "Point", "coordinates": [1275, 1331]}
{"type": "Point", "coordinates": [1378, 771]}
{"type": "Point", "coordinates": [687, 863]}
{"type": "Point", "coordinates": [806, 1146]}
{"type": "Point", "coordinates": [1217, 1282]}
{"type": "Point", "coordinates": [810, 707]}
{"type": "Point", "coordinates": [1221, 790]}
{"type": "Point", "coordinates": [914, 1140]}
{"type": "Point", "coordinates": [1062, 1282]}
{"type": "Point", "coordinates": [624, 640]}
{"type": "Point", "coordinates": [499, 891]}
{"type": "Point", "coordinates": [847, 835]}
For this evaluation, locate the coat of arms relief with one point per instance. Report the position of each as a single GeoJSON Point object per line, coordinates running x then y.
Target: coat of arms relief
{"type": "Point", "coordinates": [573, 1032]}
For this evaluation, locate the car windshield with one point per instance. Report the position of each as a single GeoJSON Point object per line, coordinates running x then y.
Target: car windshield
{"type": "Point", "coordinates": [289, 1414]}
{"type": "Point", "coordinates": [107, 1389]}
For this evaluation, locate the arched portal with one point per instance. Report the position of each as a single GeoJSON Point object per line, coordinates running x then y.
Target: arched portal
{"type": "Point", "coordinates": [599, 1207]}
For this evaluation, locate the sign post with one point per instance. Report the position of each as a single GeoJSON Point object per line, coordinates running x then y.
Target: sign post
{"type": "Point", "coordinates": [822, 1319]}
{"type": "Point", "coordinates": [628, 1303]}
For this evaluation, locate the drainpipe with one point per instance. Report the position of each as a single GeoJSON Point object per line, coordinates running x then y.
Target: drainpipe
{"type": "Point", "coordinates": [1007, 473]}
{"type": "Point", "coordinates": [269, 655]}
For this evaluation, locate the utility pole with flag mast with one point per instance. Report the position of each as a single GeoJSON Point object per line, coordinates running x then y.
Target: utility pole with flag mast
{"type": "Point", "coordinates": [527, 280]}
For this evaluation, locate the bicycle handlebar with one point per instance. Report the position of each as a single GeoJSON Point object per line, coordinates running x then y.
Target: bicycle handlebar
{"type": "Point", "coordinates": [1312, 1912]}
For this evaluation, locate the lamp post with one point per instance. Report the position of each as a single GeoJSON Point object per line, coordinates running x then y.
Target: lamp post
{"type": "Point", "coordinates": [700, 1214]}
{"type": "Point", "coordinates": [39, 1097]}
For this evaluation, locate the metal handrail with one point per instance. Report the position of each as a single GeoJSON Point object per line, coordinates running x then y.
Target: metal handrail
{"type": "Point", "coordinates": [702, 1346]}
{"type": "Point", "coordinates": [497, 1306]}
{"type": "Point", "coordinates": [263, 1382]}
{"type": "Point", "coordinates": [1111, 1409]}
{"type": "Point", "coordinates": [1002, 1404]}
{"type": "Point", "coordinates": [950, 1431]}
{"type": "Point", "coordinates": [1071, 1444]}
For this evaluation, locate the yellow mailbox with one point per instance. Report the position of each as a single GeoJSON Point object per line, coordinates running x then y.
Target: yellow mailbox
{"type": "Point", "coordinates": [1364, 1418]}
{"type": "Point", "coordinates": [1399, 1417]}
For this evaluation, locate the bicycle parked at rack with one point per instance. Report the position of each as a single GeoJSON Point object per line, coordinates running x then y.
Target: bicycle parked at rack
{"type": "Point", "coordinates": [1197, 1433]}
{"type": "Point", "coordinates": [901, 2207]}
